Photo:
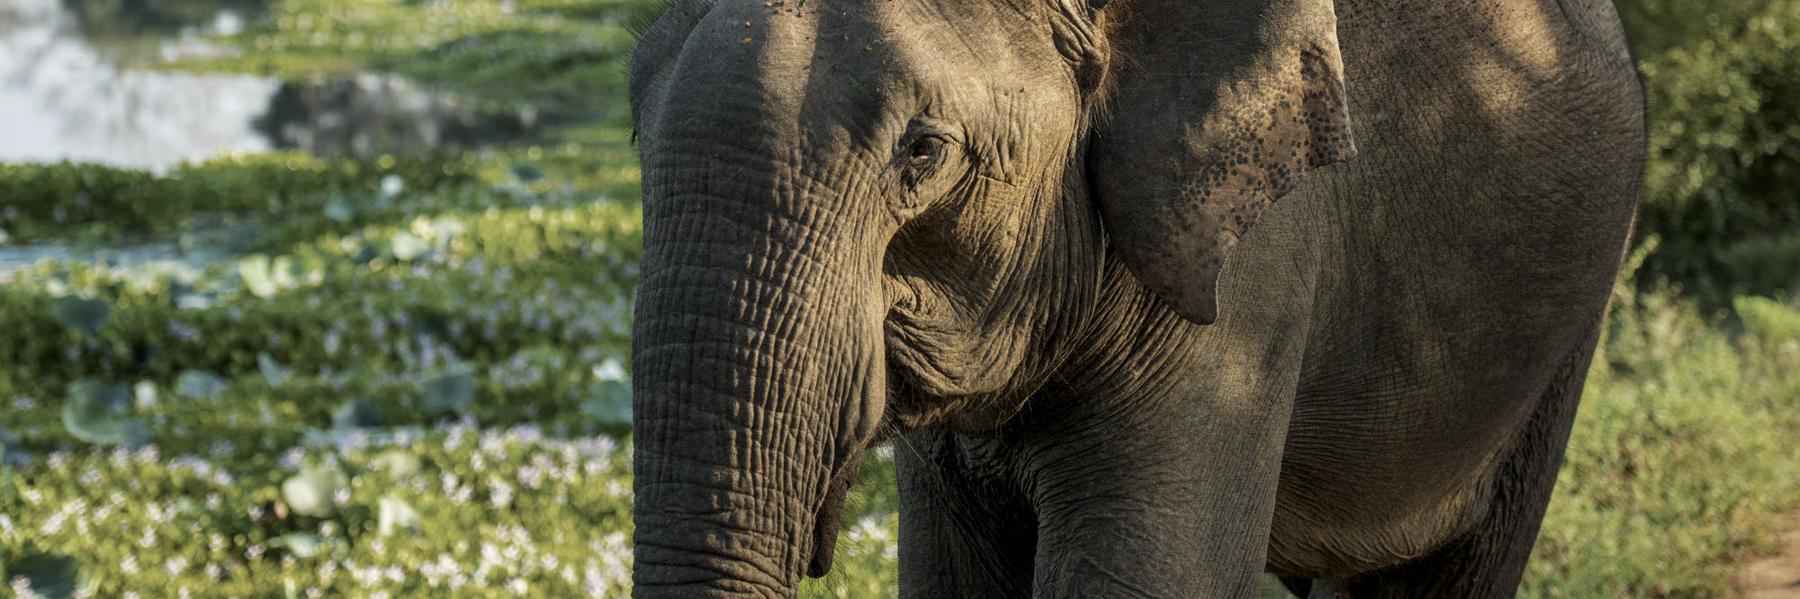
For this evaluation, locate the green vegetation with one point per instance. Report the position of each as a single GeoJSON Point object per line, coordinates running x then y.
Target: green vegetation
{"type": "Point", "coordinates": [1683, 451]}
{"type": "Point", "coordinates": [98, 202]}
{"type": "Point", "coordinates": [268, 422]}
{"type": "Point", "coordinates": [1724, 83]}
{"type": "Point", "coordinates": [408, 375]}
{"type": "Point", "coordinates": [562, 54]}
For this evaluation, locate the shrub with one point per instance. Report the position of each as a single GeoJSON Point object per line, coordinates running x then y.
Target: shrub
{"type": "Point", "coordinates": [57, 200]}
{"type": "Point", "coordinates": [1724, 95]}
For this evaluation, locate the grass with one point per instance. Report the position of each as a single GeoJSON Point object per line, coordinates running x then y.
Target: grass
{"type": "Point", "coordinates": [409, 379]}
{"type": "Point", "coordinates": [1683, 454]}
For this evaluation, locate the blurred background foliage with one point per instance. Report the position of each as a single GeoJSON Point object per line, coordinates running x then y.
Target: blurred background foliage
{"type": "Point", "coordinates": [1723, 189]}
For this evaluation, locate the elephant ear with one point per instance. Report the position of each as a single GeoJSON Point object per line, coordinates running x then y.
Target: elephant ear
{"type": "Point", "coordinates": [1215, 110]}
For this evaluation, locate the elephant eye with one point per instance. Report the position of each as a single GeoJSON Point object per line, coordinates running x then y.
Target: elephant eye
{"type": "Point", "coordinates": [923, 152]}
{"type": "Point", "coordinates": [921, 160]}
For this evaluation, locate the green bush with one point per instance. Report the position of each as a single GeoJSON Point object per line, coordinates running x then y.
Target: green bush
{"type": "Point", "coordinates": [1724, 94]}
{"type": "Point", "coordinates": [67, 199]}
{"type": "Point", "coordinates": [1682, 456]}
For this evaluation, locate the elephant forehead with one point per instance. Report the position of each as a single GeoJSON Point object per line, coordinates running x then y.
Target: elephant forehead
{"type": "Point", "coordinates": [764, 70]}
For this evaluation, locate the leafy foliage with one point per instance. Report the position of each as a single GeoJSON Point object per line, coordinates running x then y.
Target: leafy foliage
{"type": "Point", "coordinates": [63, 200]}
{"type": "Point", "coordinates": [1724, 94]}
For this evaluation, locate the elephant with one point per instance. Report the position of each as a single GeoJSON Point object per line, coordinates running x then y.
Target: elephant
{"type": "Point", "coordinates": [1148, 298]}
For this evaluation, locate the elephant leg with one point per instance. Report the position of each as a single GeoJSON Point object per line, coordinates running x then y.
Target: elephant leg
{"type": "Point", "coordinates": [1489, 559]}
{"type": "Point", "coordinates": [965, 530]}
{"type": "Point", "coordinates": [1158, 504]}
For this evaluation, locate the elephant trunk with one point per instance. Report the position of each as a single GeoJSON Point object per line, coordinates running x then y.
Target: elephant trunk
{"type": "Point", "coordinates": [759, 379]}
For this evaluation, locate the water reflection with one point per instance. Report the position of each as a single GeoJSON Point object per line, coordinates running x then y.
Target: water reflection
{"type": "Point", "coordinates": [63, 97]}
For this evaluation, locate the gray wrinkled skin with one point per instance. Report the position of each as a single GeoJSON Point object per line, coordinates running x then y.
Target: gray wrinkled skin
{"type": "Point", "coordinates": [1150, 296]}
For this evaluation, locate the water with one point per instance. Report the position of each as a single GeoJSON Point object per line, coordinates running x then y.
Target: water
{"type": "Point", "coordinates": [68, 92]}
{"type": "Point", "coordinates": [155, 254]}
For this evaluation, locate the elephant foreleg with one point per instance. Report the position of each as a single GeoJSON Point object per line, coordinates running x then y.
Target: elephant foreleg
{"type": "Point", "coordinates": [1160, 504]}
{"type": "Point", "coordinates": [965, 529]}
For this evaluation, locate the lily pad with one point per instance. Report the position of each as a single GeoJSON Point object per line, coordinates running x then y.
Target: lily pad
{"type": "Point", "coordinates": [339, 210]}
{"type": "Point", "coordinates": [398, 463]}
{"type": "Point", "coordinates": [144, 395]}
{"type": "Point", "coordinates": [187, 298]}
{"type": "Point", "coordinates": [392, 185]}
{"type": "Point", "coordinates": [526, 172]}
{"type": "Point", "coordinates": [395, 515]}
{"type": "Point", "coordinates": [407, 247]}
{"type": "Point", "coordinates": [82, 314]}
{"type": "Point", "coordinates": [273, 372]}
{"type": "Point", "coordinates": [99, 413]}
{"type": "Point", "coordinates": [608, 403]}
{"type": "Point", "coordinates": [356, 413]}
{"type": "Point", "coordinates": [301, 544]}
{"type": "Point", "coordinates": [200, 384]}
{"type": "Point", "coordinates": [309, 492]}
{"type": "Point", "coordinates": [610, 369]}
{"type": "Point", "coordinates": [10, 450]}
{"type": "Point", "coordinates": [257, 275]}
{"type": "Point", "coordinates": [49, 576]}
{"type": "Point", "coordinates": [448, 392]}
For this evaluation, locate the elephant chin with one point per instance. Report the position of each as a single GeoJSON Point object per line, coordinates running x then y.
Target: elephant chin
{"type": "Point", "coordinates": [830, 518]}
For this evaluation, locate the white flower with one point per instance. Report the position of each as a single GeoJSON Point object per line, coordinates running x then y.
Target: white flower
{"type": "Point", "coordinates": [290, 459]}
{"type": "Point", "coordinates": [54, 523]}
{"type": "Point", "coordinates": [518, 586]}
{"type": "Point", "coordinates": [502, 495]}
{"type": "Point", "coordinates": [21, 587]}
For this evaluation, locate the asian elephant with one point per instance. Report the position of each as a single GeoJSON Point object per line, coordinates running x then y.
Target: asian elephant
{"type": "Point", "coordinates": [1149, 296]}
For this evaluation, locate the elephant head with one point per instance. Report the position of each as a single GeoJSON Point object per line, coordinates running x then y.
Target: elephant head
{"type": "Point", "coordinates": [865, 216]}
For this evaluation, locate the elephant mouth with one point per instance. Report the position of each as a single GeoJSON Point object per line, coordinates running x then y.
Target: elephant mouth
{"type": "Point", "coordinates": [830, 517]}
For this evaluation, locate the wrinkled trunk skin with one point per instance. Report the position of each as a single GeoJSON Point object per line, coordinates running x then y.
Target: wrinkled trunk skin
{"type": "Point", "coordinates": [758, 381]}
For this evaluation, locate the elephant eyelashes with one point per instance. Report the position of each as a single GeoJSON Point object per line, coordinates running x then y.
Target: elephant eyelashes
{"type": "Point", "coordinates": [920, 164]}
{"type": "Point", "coordinates": [921, 161]}
{"type": "Point", "coordinates": [923, 153]}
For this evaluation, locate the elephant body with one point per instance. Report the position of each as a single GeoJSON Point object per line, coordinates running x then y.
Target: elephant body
{"type": "Point", "coordinates": [1376, 404]}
